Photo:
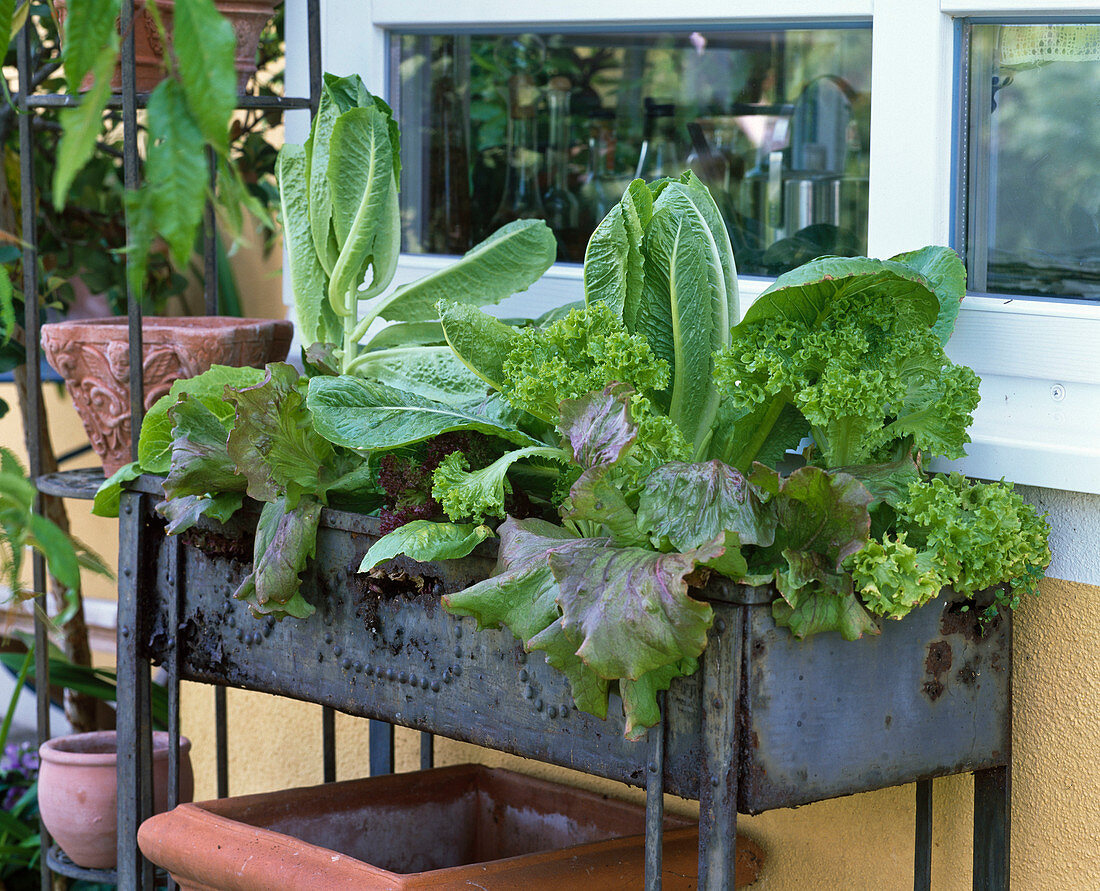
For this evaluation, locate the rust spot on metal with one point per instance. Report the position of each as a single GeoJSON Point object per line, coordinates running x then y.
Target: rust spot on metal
{"type": "Point", "coordinates": [968, 674]}
{"type": "Point", "coordinates": [936, 664]}
{"type": "Point", "coordinates": [965, 619]}
{"type": "Point", "coordinates": [889, 721]}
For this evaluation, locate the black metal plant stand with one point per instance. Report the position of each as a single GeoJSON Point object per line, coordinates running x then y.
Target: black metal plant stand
{"type": "Point", "coordinates": [730, 736]}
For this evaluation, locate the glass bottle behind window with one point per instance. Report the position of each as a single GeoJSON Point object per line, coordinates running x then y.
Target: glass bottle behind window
{"type": "Point", "coordinates": [521, 199]}
{"type": "Point", "coordinates": [601, 189]}
{"type": "Point", "coordinates": [660, 155]}
{"type": "Point", "coordinates": [449, 229]}
{"type": "Point", "coordinates": [562, 207]}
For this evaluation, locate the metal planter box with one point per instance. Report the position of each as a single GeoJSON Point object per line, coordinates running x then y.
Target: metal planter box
{"type": "Point", "coordinates": [769, 721]}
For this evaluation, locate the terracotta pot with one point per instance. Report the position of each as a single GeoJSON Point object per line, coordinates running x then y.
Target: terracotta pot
{"type": "Point", "coordinates": [449, 828]}
{"type": "Point", "coordinates": [248, 18]}
{"type": "Point", "coordinates": [93, 357]}
{"type": "Point", "coordinates": [77, 792]}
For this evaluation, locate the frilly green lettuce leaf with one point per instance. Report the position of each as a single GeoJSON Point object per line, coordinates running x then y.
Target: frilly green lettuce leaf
{"type": "Point", "coordinates": [426, 540]}
{"type": "Point", "coordinates": [893, 578]}
{"type": "Point", "coordinates": [475, 495]}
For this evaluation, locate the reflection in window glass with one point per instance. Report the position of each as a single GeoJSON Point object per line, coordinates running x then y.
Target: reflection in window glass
{"type": "Point", "coordinates": [508, 126]}
{"type": "Point", "coordinates": [1033, 204]}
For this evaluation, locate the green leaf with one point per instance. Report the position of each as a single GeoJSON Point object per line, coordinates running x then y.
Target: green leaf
{"type": "Point", "coordinates": [109, 493]}
{"type": "Point", "coordinates": [364, 206]}
{"type": "Point", "coordinates": [588, 688]}
{"type": "Point", "coordinates": [155, 444]}
{"type": "Point", "coordinates": [614, 266]}
{"type": "Point", "coordinates": [692, 504]}
{"type": "Point", "coordinates": [521, 592]}
{"type": "Point", "coordinates": [888, 482]}
{"type": "Point", "coordinates": [425, 541]}
{"type": "Point", "coordinates": [273, 442]}
{"type": "Point", "coordinates": [183, 511]}
{"type": "Point", "coordinates": [316, 320]}
{"type": "Point", "coordinates": [508, 261]}
{"type": "Point", "coordinates": [684, 310]}
{"type": "Point", "coordinates": [58, 550]}
{"type": "Point", "coordinates": [285, 541]}
{"type": "Point", "coordinates": [597, 499]}
{"type": "Point", "coordinates": [629, 607]}
{"type": "Point", "coordinates": [825, 610]}
{"type": "Point", "coordinates": [205, 47]}
{"type": "Point", "coordinates": [481, 342]}
{"type": "Point", "coordinates": [432, 372]}
{"type": "Point", "coordinates": [408, 334]}
{"type": "Point", "coordinates": [90, 31]}
{"type": "Point", "coordinates": [175, 172]}
{"type": "Point", "coordinates": [946, 273]}
{"type": "Point", "coordinates": [808, 293]}
{"type": "Point", "coordinates": [640, 697]}
{"type": "Point", "coordinates": [475, 495]}
{"type": "Point", "coordinates": [81, 126]}
{"type": "Point", "coordinates": [367, 415]}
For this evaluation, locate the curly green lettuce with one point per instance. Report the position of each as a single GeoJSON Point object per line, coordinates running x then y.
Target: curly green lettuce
{"type": "Point", "coordinates": [871, 378]}
{"type": "Point", "coordinates": [893, 578]}
{"type": "Point", "coordinates": [584, 352]}
{"type": "Point", "coordinates": [983, 535]}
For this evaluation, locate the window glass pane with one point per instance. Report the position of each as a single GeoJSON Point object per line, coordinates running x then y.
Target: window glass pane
{"type": "Point", "coordinates": [1033, 202]}
{"type": "Point", "coordinates": [497, 127]}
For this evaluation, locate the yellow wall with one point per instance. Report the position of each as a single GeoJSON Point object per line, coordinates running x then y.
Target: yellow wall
{"type": "Point", "coordinates": [861, 842]}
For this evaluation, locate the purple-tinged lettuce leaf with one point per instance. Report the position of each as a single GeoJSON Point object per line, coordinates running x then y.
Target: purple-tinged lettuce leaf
{"type": "Point", "coordinates": [521, 594]}
{"type": "Point", "coordinates": [692, 504]}
{"type": "Point", "coordinates": [286, 539]}
{"type": "Point", "coordinates": [426, 540]}
{"type": "Point", "coordinates": [599, 426]}
{"type": "Point", "coordinates": [887, 483]}
{"type": "Point", "coordinates": [640, 697]}
{"type": "Point", "coordinates": [589, 689]}
{"type": "Point", "coordinates": [595, 498]}
{"type": "Point", "coordinates": [200, 458]}
{"type": "Point", "coordinates": [823, 512]}
{"type": "Point", "coordinates": [183, 511]}
{"type": "Point", "coordinates": [273, 442]}
{"type": "Point", "coordinates": [628, 607]}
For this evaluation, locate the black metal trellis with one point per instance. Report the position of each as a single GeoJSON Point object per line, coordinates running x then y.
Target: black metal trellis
{"type": "Point", "coordinates": [723, 682]}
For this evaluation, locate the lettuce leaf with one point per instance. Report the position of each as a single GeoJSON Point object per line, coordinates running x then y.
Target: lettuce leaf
{"type": "Point", "coordinates": [286, 539]}
{"type": "Point", "coordinates": [426, 540]}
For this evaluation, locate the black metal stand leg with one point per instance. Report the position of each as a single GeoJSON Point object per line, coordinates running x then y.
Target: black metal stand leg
{"type": "Point", "coordinates": [655, 801]}
{"type": "Point", "coordinates": [718, 780]}
{"type": "Point", "coordinates": [134, 735]}
{"type": "Point", "coordinates": [922, 858]}
{"type": "Point", "coordinates": [381, 748]}
{"type": "Point", "coordinates": [221, 740]}
{"type": "Point", "coordinates": [427, 751]}
{"type": "Point", "coordinates": [992, 826]}
{"type": "Point", "coordinates": [328, 743]}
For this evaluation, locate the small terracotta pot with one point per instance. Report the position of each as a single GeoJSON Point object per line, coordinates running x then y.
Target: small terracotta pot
{"type": "Point", "coordinates": [92, 355]}
{"type": "Point", "coordinates": [78, 792]}
{"type": "Point", "coordinates": [248, 18]}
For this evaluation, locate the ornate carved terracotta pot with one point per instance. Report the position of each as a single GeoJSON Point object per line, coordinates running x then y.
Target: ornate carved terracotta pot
{"type": "Point", "coordinates": [93, 357]}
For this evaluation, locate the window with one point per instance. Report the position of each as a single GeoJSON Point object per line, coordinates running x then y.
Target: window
{"type": "Point", "coordinates": [1032, 202]}
{"type": "Point", "coordinates": [554, 125]}
{"type": "Point", "coordinates": [1039, 421]}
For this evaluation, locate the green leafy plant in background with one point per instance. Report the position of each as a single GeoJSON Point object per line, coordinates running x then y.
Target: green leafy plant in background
{"type": "Point", "coordinates": [188, 113]}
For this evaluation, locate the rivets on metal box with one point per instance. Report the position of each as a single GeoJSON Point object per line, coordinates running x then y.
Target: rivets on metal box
{"type": "Point", "coordinates": [328, 637]}
{"type": "Point", "coordinates": [523, 675]}
{"type": "Point", "coordinates": [345, 663]}
{"type": "Point", "coordinates": [435, 686]}
{"type": "Point", "coordinates": [338, 651]}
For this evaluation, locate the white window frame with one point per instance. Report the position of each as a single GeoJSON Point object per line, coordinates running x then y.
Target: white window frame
{"type": "Point", "coordinates": [1039, 421]}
